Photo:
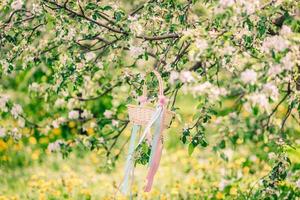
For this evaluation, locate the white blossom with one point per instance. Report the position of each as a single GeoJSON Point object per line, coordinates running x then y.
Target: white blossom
{"type": "Point", "coordinates": [227, 3]}
{"type": "Point", "coordinates": [72, 103]}
{"type": "Point", "coordinates": [298, 183]}
{"type": "Point", "coordinates": [17, 4]}
{"type": "Point", "coordinates": [74, 114]}
{"type": "Point", "coordinates": [136, 28]}
{"type": "Point", "coordinates": [89, 56]}
{"type": "Point", "coordinates": [5, 66]}
{"type": "Point", "coordinates": [250, 5]}
{"type": "Point", "coordinates": [100, 64]}
{"type": "Point", "coordinates": [186, 77]}
{"type": "Point", "coordinates": [276, 43]}
{"type": "Point", "coordinates": [80, 65]}
{"type": "Point", "coordinates": [21, 122]}
{"type": "Point", "coordinates": [209, 89]}
{"type": "Point", "coordinates": [63, 58]}
{"type": "Point", "coordinates": [223, 183]}
{"type": "Point", "coordinates": [133, 17]}
{"type": "Point", "coordinates": [260, 100]}
{"type": "Point", "coordinates": [15, 134]}
{"type": "Point", "coordinates": [59, 103]}
{"type": "Point", "coordinates": [86, 114]}
{"type": "Point", "coordinates": [274, 70]}
{"type": "Point", "coordinates": [201, 44]}
{"type": "Point", "coordinates": [271, 91]}
{"type": "Point", "coordinates": [56, 123]}
{"type": "Point", "coordinates": [201, 88]}
{"type": "Point", "coordinates": [71, 33]}
{"type": "Point", "coordinates": [228, 50]}
{"type": "Point", "coordinates": [34, 87]}
{"type": "Point", "coordinates": [285, 31]}
{"type": "Point", "coordinates": [2, 132]}
{"type": "Point", "coordinates": [249, 76]}
{"type": "Point", "coordinates": [3, 103]}
{"type": "Point", "coordinates": [229, 153]}
{"type": "Point", "coordinates": [115, 122]}
{"type": "Point", "coordinates": [36, 8]}
{"type": "Point", "coordinates": [55, 146]}
{"type": "Point", "coordinates": [271, 155]}
{"type": "Point", "coordinates": [174, 76]}
{"type": "Point", "coordinates": [16, 110]}
{"type": "Point", "coordinates": [108, 114]}
{"type": "Point", "coordinates": [136, 51]}
{"type": "Point", "coordinates": [287, 62]}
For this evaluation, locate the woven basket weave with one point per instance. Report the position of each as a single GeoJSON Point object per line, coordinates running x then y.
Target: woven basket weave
{"type": "Point", "coordinates": [141, 114]}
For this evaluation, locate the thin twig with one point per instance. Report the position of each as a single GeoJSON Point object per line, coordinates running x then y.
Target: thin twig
{"type": "Point", "coordinates": [100, 95]}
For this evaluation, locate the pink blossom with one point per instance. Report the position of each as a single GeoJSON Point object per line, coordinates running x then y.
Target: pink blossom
{"type": "Point", "coordinates": [271, 91]}
{"type": "Point", "coordinates": [249, 76]}
{"type": "Point", "coordinates": [277, 43]}
{"type": "Point", "coordinates": [274, 70]}
{"type": "Point", "coordinates": [115, 122]}
{"type": "Point", "coordinates": [108, 114]}
{"type": "Point", "coordinates": [287, 62]}
{"type": "Point", "coordinates": [142, 99]}
{"type": "Point", "coordinates": [227, 3]}
{"type": "Point", "coordinates": [162, 100]}
{"type": "Point", "coordinates": [173, 77]}
{"type": "Point", "coordinates": [74, 114]}
{"type": "Point", "coordinates": [186, 77]}
{"type": "Point", "coordinates": [285, 30]}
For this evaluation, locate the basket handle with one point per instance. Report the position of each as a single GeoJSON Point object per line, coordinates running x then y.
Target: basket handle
{"type": "Point", "coordinates": [160, 84]}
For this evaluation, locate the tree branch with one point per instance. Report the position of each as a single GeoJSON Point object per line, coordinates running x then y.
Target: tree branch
{"type": "Point", "coordinates": [101, 95]}
{"type": "Point", "coordinates": [162, 37]}
{"type": "Point", "coordinates": [85, 17]}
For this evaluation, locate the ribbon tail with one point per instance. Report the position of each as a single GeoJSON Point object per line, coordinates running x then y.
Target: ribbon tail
{"type": "Point", "coordinates": [154, 117]}
{"type": "Point", "coordinates": [129, 167]}
{"type": "Point", "coordinates": [156, 151]}
{"type": "Point", "coordinates": [153, 168]}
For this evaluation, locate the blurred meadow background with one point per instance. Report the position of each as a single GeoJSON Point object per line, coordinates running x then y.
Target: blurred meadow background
{"type": "Point", "coordinates": [30, 171]}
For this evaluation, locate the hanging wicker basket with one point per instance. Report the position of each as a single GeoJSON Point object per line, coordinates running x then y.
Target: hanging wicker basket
{"type": "Point", "coordinates": [141, 114]}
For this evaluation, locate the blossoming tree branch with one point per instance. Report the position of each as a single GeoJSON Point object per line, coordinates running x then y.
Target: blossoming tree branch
{"type": "Point", "coordinates": [81, 62]}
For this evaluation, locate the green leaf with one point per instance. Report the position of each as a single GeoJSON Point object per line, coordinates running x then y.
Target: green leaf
{"type": "Point", "coordinates": [118, 15]}
{"type": "Point", "coordinates": [222, 144]}
{"type": "Point", "coordinates": [106, 8]}
{"type": "Point", "coordinates": [224, 157]}
{"type": "Point", "coordinates": [255, 110]}
{"type": "Point", "coordinates": [191, 149]}
{"type": "Point", "coordinates": [203, 142]}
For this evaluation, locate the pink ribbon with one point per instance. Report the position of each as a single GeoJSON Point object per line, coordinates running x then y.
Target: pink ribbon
{"type": "Point", "coordinates": [154, 167]}
{"type": "Point", "coordinates": [162, 100]}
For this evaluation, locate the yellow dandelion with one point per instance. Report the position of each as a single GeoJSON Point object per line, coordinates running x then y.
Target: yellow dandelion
{"type": "Point", "coordinates": [56, 131]}
{"type": "Point", "coordinates": [35, 155]}
{"type": "Point", "coordinates": [85, 192]}
{"type": "Point", "coordinates": [90, 131]}
{"type": "Point", "coordinates": [266, 149]}
{"type": "Point", "coordinates": [4, 157]}
{"type": "Point", "coordinates": [246, 170]}
{"type": "Point", "coordinates": [72, 124]}
{"type": "Point", "coordinates": [44, 140]}
{"type": "Point", "coordinates": [42, 196]}
{"type": "Point", "coordinates": [239, 141]}
{"type": "Point", "coordinates": [220, 195]}
{"type": "Point", "coordinates": [3, 145]}
{"type": "Point", "coordinates": [233, 191]}
{"type": "Point", "coordinates": [32, 140]}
